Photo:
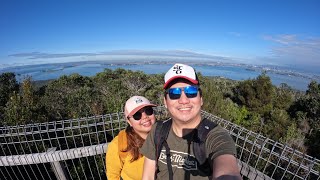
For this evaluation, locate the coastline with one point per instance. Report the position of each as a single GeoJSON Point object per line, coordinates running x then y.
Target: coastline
{"type": "Point", "coordinates": [231, 71]}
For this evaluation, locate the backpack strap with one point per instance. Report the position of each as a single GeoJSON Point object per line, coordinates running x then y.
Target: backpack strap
{"type": "Point", "coordinates": [122, 145]}
{"type": "Point", "coordinates": [199, 144]}
{"type": "Point", "coordinates": [199, 140]}
{"type": "Point", "coordinates": [165, 144]}
{"type": "Point", "coordinates": [160, 136]}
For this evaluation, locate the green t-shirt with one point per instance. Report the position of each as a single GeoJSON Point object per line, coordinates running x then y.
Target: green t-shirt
{"type": "Point", "coordinates": [183, 162]}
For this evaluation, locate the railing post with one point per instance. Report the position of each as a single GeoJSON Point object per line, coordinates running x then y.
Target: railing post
{"type": "Point", "coordinates": [57, 167]}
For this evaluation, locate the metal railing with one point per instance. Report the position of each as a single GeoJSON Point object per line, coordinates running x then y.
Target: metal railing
{"type": "Point", "coordinates": [75, 149]}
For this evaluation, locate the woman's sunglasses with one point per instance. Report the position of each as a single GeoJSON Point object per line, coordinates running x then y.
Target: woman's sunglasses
{"type": "Point", "coordinates": [137, 116]}
{"type": "Point", "coordinates": [190, 91]}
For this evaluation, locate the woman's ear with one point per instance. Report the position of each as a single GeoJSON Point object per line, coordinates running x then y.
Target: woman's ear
{"type": "Point", "coordinates": [129, 122]}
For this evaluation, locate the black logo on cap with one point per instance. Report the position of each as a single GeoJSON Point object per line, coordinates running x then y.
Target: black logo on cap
{"type": "Point", "coordinates": [138, 100]}
{"type": "Point", "coordinates": [177, 69]}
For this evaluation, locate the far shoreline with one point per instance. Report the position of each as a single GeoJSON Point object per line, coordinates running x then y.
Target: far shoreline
{"type": "Point", "coordinates": [49, 68]}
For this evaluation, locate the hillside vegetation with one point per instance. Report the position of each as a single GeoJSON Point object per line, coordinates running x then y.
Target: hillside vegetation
{"type": "Point", "coordinates": [280, 113]}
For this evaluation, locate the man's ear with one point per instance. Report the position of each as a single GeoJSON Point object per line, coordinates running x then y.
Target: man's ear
{"type": "Point", "coordinates": [201, 100]}
{"type": "Point", "coordinates": [164, 102]}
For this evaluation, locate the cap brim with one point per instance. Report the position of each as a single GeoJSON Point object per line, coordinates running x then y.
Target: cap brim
{"type": "Point", "coordinates": [140, 107]}
{"type": "Point", "coordinates": [179, 77]}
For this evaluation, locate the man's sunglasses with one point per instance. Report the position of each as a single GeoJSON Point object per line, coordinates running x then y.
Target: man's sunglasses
{"type": "Point", "coordinates": [190, 91]}
{"type": "Point", "coordinates": [137, 116]}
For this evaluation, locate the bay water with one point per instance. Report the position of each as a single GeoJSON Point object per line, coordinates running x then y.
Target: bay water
{"type": "Point", "coordinates": [54, 71]}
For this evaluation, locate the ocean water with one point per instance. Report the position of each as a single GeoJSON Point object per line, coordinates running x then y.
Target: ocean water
{"type": "Point", "coordinates": [54, 71]}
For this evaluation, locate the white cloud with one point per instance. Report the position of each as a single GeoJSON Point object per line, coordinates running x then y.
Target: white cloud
{"type": "Point", "coordinates": [235, 34]}
{"type": "Point", "coordinates": [29, 58]}
{"type": "Point", "coordinates": [125, 53]}
{"type": "Point", "coordinates": [294, 50]}
{"type": "Point", "coordinates": [282, 39]}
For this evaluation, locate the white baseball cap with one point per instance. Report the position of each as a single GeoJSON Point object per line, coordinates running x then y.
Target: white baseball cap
{"type": "Point", "coordinates": [135, 103]}
{"type": "Point", "coordinates": [180, 71]}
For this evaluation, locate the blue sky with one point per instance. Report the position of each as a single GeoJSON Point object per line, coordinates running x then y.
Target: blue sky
{"type": "Point", "coordinates": [278, 32]}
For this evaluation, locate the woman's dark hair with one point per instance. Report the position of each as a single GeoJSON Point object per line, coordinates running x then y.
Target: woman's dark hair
{"type": "Point", "coordinates": [134, 142]}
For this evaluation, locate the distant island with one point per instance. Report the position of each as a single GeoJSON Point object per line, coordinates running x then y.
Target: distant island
{"type": "Point", "coordinates": [257, 68]}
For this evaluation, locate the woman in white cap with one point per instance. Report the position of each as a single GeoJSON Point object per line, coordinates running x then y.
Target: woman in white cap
{"type": "Point", "coordinates": [123, 159]}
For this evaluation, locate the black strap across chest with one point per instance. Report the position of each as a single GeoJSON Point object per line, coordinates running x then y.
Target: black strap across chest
{"type": "Point", "coordinates": [199, 140]}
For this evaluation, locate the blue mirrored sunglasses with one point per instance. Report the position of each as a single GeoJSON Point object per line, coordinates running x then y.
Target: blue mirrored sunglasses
{"type": "Point", "coordinates": [190, 91]}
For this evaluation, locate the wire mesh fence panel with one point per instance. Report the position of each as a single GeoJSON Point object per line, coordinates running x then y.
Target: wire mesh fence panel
{"type": "Point", "coordinates": [75, 149]}
{"type": "Point", "coordinates": [68, 149]}
{"type": "Point", "coordinates": [263, 158]}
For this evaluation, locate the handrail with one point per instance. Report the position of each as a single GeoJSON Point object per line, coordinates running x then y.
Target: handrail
{"type": "Point", "coordinates": [53, 156]}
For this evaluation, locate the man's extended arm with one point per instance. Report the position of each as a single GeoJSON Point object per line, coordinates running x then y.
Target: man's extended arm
{"type": "Point", "coordinates": [225, 167]}
{"type": "Point", "coordinates": [149, 169]}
